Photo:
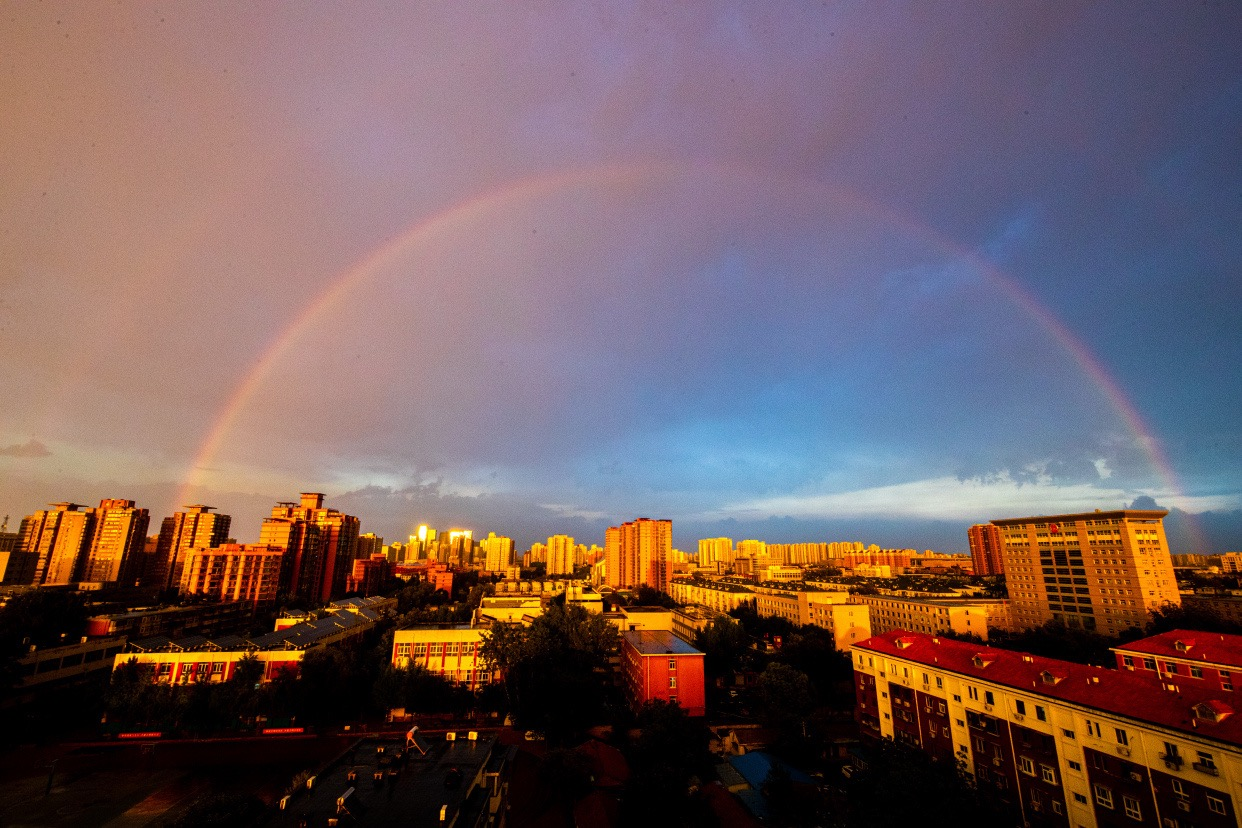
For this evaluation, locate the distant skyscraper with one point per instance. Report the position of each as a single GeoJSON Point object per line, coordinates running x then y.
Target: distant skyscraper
{"type": "Point", "coordinates": [369, 544]}
{"type": "Point", "coordinates": [116, 548]}
{"type": "Point", "coordinates": [320, 545]}
{"type": "Point", "coordinates": [497, 552]}
{"type": "Point", "coordinates": [560, 555]}
{"type": "Point", "coordinates": [637, 553]}
{"type": "Point", "coordinates": [198, 527]}
{"type": "Point", "coordinates": [1101, 571]}
{"type": "Point", "coordinates": [985, 549]}
{"type": "Point", "coordinates": [715, 550]}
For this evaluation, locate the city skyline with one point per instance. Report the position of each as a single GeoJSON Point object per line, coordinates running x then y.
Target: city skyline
{"type": "Point", "coordinates": [781, 273]}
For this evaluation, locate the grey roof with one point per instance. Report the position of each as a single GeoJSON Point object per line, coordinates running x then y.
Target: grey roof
{"type": "Point", "coordinates": [658, 642]}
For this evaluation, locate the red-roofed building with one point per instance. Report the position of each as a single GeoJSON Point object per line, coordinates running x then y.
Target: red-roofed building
{"type": "Point", "coordinates": [1066, 743]}
{"type": "Point", "coordinates": [656, 664]}
{"type": "Point", "coordinates": [1210, 659]}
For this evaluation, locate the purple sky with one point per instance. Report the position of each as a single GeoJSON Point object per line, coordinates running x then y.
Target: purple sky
{"type": "Point", "coordinates": [795, 272]}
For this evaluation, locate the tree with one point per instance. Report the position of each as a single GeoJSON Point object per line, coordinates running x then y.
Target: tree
{"type": "Point", "coordinates": [727, 649]}
{"type": "Point", "coordinates": [667, 758]}
{"type": "Point", "coordinates": [554, 670]}
{"type": "Point", "coordinates": [646, 596]}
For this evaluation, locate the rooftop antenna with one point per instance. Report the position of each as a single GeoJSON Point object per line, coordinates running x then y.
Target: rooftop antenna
{"type": "Point", "coordinates": [4, 527]}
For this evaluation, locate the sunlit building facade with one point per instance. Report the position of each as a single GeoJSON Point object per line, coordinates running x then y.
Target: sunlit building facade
{"type": "Point", "coordinates": [320, 546]}
{"type": "Point", "coordinates": [560, 555]}
{"type": "Point", "coordinates": [117, 543]}
{"type": "Point", "coordinates": [637, 553]}
{"type": "Point", "coordinates": [198, 527]}
{"type": "Point", "coordinates": [986, 549]}
{"type": "Point", "coordinates": [234, 572]}
{"type": "Point", "coordinates": [1064, 744]}
{"type": "Point", "coordinates": [1101, 571]}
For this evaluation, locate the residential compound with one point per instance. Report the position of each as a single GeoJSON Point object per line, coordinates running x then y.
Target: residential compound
{"type": "Point", "coordinates": [1064, 743]}
{"type": "Point", "coordinates": [1101, 571]}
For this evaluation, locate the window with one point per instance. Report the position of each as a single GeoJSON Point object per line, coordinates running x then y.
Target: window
{"type": "Point", "coordinates": [1196, 672]}
{"type": "Point", "coordinates": [1127, 661]}
{"type": "Point", "coordinates": [1122, 737]}
{"type": "Point", "coordinates": [956, 697]}
{"type": "Point", "coordinates": [1041, 713]}
{"type": "Point", "coordinates": [1179, 788]}
{"type": "Point", "coordinates": [672, 682]}
{"type": "Point", "coordinates": [1093, 729]}
{"type": "Point", "coordinates": [1170, 668]}
{"type": "Point", "coordinates": [1074, 766]}
{"type": "Point", "coordinates": [1080, 798]}
{"type": "Point", "coordinates": [420, 649]}
{"type": "Point", "coordinates": [451, 649]}
{"type": "Point", "coordinates": [1132, 808]}
{"type": "Point", "coordinates": [1020, 706]}
{"type": "Point", "coordinates": [940, 706]}
{"type": "Point", "coordinates": [940, 683]}
{"type": "Point", "coordinates": [973, 692]}
{"type": "Point", "coordinates": [1048, 774]}
{"type": "Point", "coordinates": [1026, 766]}
{"type": "Point", "coordinates": [1103, 796]}
{"type": "Point", "coordinates": [1149, 664]}
{"type": "Point", "coordinates": [1216, 805]}
{"type": "Point", "coordinates": [1057, 807]}
{"type": "Point", "coordinates": [672, 664]}
{"type": "Point", "coordinates": [403, 651]}
{"type": "Point", "coordinates": [1206, 763]}
{"type": "Point", "coordinates": [1069, 734]}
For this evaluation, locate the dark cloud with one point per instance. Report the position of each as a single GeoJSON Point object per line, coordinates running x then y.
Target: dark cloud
{"type": "Point", "coordinates": [30, 448]}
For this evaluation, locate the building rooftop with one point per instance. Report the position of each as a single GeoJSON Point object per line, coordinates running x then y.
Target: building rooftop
{"type": "Point", "coordinates": [1213, 648]}
{"type": "Point", "coordinates": [658, 642]}
{"type": "Point", "coordinates": [720, 586]}
{"type": "Point", "coordinates": [1119, 514]}
{"type": "Point", "coordinates": [1142, 696]}
{"type": "Point", "coordinates": [388, 784]}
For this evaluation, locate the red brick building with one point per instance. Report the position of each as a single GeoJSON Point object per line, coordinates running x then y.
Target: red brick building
{"type": "Point", "coordinates": [656, 664]}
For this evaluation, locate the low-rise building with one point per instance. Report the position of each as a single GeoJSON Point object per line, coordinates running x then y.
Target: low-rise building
{"type": "Point", "coordinates": [721, 596]}
{"type": "Point", "coordinates": [199, 658]}
{"type": "Point", "coordinates": [641, 618]}
{"type": "Point", "coordinates": [1064, 743]}
{"type": "Point", "coordinates": [517, 609]}
{"type": "Point", "coordinates": [197, 619]}
{"type": "Point", "coordinates": [657, 665]}
{"type": "Point", "coordinates": [972, 616]}
{"type": "Point", "coordinates": [848, 623]}
{"type": "Point", "coordinates": [450, 651]}
{"type": "Point", "coordinates": [793, 602]}
{"type": "Point", "coordinates": [689, 621]}
{"type": "Point", "coordinates": [1209, 660]}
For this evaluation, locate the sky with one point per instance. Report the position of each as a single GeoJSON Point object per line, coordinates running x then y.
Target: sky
{"type": "Point", "coordinates": [787, 271]}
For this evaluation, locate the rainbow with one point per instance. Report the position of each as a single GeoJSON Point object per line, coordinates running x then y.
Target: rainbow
{"type": "Point", "coordinates": [530, 190]}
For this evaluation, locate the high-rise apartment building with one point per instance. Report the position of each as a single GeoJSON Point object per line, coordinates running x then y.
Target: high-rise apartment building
{"type": "Point", "coordinates": [115, 553]}
{"type": "Point", "coordinates": [320, 546]}
{"type": "Point", "coordinates": [1102, 571]}
{"type": "Point", "coordinates": [713, 551]}
{"type": "Point", "coordinates": [497, 552]}
{"type": "Point", "coordinates": [637, 553]}
{"type": "Point", "coordinates": [198, 527]}
{"type": "Point", "coordinates": [560, 554]}
{"type": "Point", "coordinates": [51, 545]}
{"type": "Point", "coordinates": [985, 549]}
{"type": "Point", "coordinates": [369, 544]}
{"type": "Point", "coordinates": [234, 572]}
